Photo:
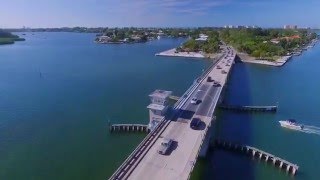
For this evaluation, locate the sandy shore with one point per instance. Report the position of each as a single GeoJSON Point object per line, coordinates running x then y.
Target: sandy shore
{"type": "Point", "coordinates": [248, 59]}
{"type": "Point", "coordinates": [173, 53]}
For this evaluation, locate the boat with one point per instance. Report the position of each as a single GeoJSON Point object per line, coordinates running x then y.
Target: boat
{"type": "Point", "coordinates": [291, 124]}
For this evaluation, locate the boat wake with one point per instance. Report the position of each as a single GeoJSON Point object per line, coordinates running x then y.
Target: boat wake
{"type": "Point", "coordinates": [311, 129]}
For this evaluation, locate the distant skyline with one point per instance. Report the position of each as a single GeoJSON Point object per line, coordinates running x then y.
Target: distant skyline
{"type": "Point", "coordinates": [158, 13]}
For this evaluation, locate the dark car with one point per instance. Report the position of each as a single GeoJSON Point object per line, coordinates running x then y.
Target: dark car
{"type": "Point", "coordinates": [195, 122]}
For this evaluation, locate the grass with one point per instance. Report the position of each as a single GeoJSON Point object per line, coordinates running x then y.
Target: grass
{"type": "Point", "coordinates": [10, 40]}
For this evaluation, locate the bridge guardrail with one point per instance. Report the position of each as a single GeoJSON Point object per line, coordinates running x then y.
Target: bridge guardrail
{"type": "Point", "coordinates": [153, 133]}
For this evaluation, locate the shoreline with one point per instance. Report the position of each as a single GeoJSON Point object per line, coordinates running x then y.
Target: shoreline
{"type": "Point", "coordinates": [172, 53]}
{"type": "Point", "coordinates": [244, 57]}
{"type": "Point", "coordinates": [279, 62]}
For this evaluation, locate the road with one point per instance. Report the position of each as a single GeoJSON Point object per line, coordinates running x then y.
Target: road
{"type": "Point", "coordinates": [145, 163]}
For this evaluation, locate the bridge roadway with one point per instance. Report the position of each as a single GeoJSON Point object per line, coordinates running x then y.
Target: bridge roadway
{"type": "Point", "coordinates": [179, 162]}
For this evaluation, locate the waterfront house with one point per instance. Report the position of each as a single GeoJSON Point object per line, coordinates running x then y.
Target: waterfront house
{"type": "Point", "coordinates": [202, 37]}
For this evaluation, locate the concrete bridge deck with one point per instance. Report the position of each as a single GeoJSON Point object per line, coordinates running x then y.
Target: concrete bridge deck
{"type": "Point", "coordinates": [146, 163]}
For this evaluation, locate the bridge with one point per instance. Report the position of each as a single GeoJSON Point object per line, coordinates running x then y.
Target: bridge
{"type": "Point", "coordinates": [146, 163]}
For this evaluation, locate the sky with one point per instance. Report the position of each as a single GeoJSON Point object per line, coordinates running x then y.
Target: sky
{"type": "Point", "coordinates": [158, 13]}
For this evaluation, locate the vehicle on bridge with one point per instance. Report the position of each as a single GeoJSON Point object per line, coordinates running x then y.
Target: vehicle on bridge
{"type": "Point", "coordinates": [216, 83]}
{"type": "Point", "coordinates": [209, 79]}
{"type": "Point", "coordinates": [165, 146]}
{"type": "Point", "coordinates": [194, 100]}
{"type": "Point", "coordinates": [195, 122]}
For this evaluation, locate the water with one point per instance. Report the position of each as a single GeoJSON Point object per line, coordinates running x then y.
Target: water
{"type": "Point", "coordinates": [296, 89]}
{"type": "Point", "coordinates": [311, 129]}
{"type": "Point", "coordinates": [58, 91]}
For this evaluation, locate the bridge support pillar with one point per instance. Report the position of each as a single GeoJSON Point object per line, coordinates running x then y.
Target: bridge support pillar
{"type": "Point", "coordinates": [294, 170]}
{"type": "Point", "coordinates": [253, 153]}
{"type": "Point", "coordinates": [281, 164]}
{"type": "Point", "coordinates": [206, 143]}
{"type": "Point", "coordinates": [288, 168]}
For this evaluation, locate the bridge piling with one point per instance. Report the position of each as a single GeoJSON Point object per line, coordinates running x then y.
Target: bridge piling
{"type": "Point", "coordinates": [254, 152]}
{"type": "Point", "coordinates": [128, 128]}
{"type": "Point", "coordinates": [249, 108]}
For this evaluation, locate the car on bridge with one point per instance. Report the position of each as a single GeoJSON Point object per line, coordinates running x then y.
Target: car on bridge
{"type": "Point", "coordinates": [216, 83]}
{"type": "Point", "coordinates": [165, 146]}
{"type": "Point", "coordinates": [194, 100]}
{"type": "Point", "coordinates": [195, 122]}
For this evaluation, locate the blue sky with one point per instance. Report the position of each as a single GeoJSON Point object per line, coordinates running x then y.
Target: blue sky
{"type": "Point", "coordinates": [167, 13]}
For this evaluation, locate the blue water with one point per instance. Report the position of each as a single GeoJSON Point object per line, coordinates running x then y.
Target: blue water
{"type": "Point", "coordinates": [295, 88]}
{"type": "Point", "coordinates": [59, 90]}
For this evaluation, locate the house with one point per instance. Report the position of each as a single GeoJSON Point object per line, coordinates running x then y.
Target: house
{"type": "Point", "coordinates": [275, 41]}
{"type": "Point", "coordinates": [202, 37]}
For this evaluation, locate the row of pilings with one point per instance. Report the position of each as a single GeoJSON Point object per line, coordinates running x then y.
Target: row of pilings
{"type": "Point", "coordinates": [249, 108]}
{"type": "Point", "coordinates": [282, 164]}
{"type": "Point", "coordinates": [128, 128]}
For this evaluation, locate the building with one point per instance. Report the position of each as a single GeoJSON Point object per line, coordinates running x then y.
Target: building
{"type": "Point", "coordinates": [290, 27]}
{"type": "Point", "coordinates": [275, 41]}
{"type": "Point", "coordinates": [158, 107]}
{"type": "Point", "coordinates": [104, 39]}
{"type": "Point", "coordinates": [202, 37]}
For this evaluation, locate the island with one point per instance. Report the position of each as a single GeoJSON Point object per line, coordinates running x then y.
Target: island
{"type": "Point", "coordinates": [8, 38]}
{"type": "Point", "coordinates": [137, 35]}
{"type": "Point", "coordinates": [206, 44]}
{"type": "Point", "coordinates": [268, 46]}
{"type": "Point", "coordinates": [253, 45]}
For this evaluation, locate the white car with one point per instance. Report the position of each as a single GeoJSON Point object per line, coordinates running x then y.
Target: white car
{"type": "Point", "coordinates": [194, 100]}
{"type": "Point", "coordinates": [165, 146]}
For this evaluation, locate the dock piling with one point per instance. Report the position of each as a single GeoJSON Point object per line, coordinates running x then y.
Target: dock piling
{"type": "Point", "coordinates": [254, 152]}
{"type": "Point", "coordinates": [128, 128]}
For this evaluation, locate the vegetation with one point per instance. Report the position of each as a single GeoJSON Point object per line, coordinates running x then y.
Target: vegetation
{"type": "Point", "coordinates": [266, 43]}
{"type": "Point", "coordinates": [8, 38]}
{"type": "Point", "coordinates": [211, 45]}
{"type": "Point", "coordinates": [128, 35]}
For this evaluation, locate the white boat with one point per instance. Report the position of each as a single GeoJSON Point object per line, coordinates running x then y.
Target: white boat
{"type": "Point", "coordinates": [291, 124]}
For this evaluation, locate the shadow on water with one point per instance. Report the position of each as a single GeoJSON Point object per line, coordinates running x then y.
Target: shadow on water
{"type": "Point", "coordinates": [233, 127]}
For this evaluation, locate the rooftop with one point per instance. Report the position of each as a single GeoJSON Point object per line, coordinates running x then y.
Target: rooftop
{"type": "Point", "coordinates": [156, 107]}
{"type": "Point", "coordinates": [160, 93]}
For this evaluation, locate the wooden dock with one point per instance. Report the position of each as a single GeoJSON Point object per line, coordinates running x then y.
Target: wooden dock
{"type": "Point", "coordinates": [128, 128]}
{"type": "Point", "coordinates": [249, 108]}
{"type": "Point", "coordinates": [257, 153]}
